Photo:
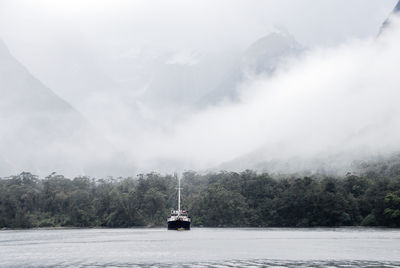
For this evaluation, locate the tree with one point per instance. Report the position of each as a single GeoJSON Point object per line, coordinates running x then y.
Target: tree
{"type": "Point", "coordinates": [392, 210]}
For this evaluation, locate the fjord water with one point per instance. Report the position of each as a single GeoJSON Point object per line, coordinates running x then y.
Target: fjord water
{"type": "Point", "coordinates": [201, 247]}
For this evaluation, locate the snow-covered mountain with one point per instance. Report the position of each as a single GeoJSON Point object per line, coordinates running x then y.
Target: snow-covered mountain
{"type": "Point", "coordinates": [40, 132]}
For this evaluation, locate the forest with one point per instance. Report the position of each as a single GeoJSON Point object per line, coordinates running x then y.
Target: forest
{"type": "Point", "coordinates": [220, 199]}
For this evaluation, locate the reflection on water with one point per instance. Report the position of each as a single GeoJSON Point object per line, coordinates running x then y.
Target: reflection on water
{"type": "Point", "coordinates": [272, 247]}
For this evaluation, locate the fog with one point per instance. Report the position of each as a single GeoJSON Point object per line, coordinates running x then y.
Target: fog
{"type": "Point", "coordinates": [164, 86]}
{"type": "Point", "coordinates": [341, 102]}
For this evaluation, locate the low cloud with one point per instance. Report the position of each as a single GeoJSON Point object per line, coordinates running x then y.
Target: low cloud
{"type": "Point", "coordinates": [339, 101]}
{"type": "Point", "coordinates": [135, 85]}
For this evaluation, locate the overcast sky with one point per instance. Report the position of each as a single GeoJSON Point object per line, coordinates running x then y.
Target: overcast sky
{"type": "Point", "coordinates": [43, 33]}
{"type": "Point", "coordinates": [87, 51]}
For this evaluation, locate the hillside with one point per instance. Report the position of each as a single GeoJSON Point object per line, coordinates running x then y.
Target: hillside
{"type": "Point", "coordinates": [40, 131]}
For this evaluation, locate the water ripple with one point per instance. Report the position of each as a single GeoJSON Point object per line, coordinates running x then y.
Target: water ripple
{"type": "Point", "coordinates": [236, 263]}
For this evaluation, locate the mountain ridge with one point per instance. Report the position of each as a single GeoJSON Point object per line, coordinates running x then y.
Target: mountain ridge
{"type": "Point", "coordinates": [262, 58]}
{"type": "Point", "coordinates": [44, 133]}
{"type": "Point", "coordinates": [386, 23]}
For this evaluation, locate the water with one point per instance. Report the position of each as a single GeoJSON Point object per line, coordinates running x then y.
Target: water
{"type": "Point", "coordinates": [201, 247]}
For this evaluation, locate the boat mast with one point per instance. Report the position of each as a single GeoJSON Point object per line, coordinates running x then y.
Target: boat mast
{"type": "Point", "coordinates": [179, 195]}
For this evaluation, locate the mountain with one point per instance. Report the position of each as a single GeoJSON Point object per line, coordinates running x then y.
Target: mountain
{"type": "Point", "coordinates": [386, 23]}
{"type": "Point", "coordinates": [182, 77]}
{"type": "Point", "coordinates": [174, 80]}
{"type": "Point", "coordinates": [397, 8]}
{"type": "Point", "coordinates": [165, 84]}
{"type": "Point", "coordinates": [262, 58]}
{"type": "Point", "coordinates": [41, 132]}
{"type": "Point", "coordinates": [266, 54]}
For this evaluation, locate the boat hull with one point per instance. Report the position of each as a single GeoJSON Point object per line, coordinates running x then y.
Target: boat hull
{"type": "Point", "coordinates": [179, 225]}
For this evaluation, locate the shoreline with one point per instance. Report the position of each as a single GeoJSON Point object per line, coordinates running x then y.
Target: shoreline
{"type": "Point", "coordinates": [202, 227]}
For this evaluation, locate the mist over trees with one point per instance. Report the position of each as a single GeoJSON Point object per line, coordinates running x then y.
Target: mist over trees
{"type": "Point", "coordinates": [223, 199]}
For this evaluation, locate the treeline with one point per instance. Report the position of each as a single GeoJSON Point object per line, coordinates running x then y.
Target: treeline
{"type": "Point", "coordinates": [224, 199]}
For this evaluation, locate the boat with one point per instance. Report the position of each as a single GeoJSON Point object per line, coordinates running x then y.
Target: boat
{"type": "Point", "coordinates": [179, 219]}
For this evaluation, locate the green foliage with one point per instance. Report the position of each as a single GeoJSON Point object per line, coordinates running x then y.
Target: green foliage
{"type": "Point", "coordinates": [392, 210]}
{"type": "Point", "coordinates": [370, 220]}
{"type": "Point", "coordinates": [223, 199]}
